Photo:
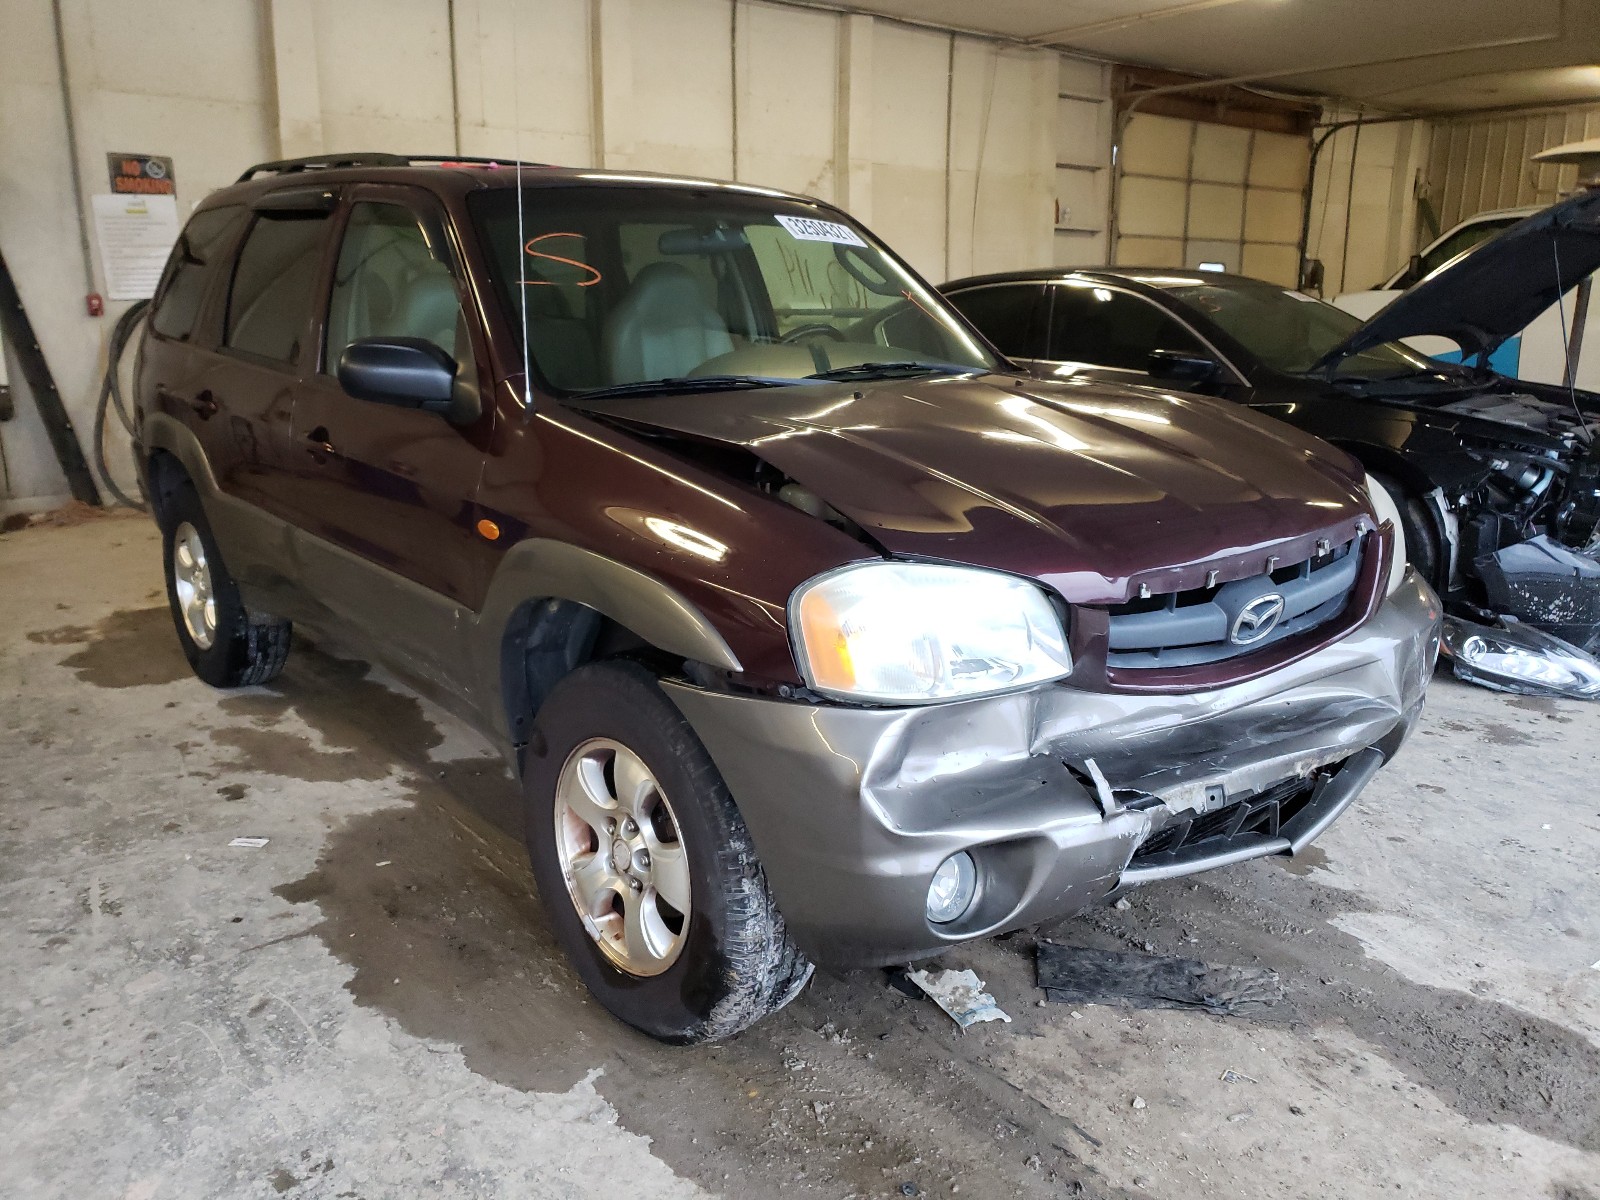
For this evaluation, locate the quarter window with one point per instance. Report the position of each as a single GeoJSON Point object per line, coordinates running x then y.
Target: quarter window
{"type": "Point", "coordinates": [1107, 328]}
{"type": "Point", "coordinates": [269, 304]}
{"type": "Point", "coordinates": [390, 282]}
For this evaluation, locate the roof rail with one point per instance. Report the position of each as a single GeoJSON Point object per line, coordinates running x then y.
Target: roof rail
{"type": "Point", "coordinates": [370, 158]}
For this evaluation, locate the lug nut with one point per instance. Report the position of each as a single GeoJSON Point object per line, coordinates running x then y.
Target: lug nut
{"type": "Point", "coordinates": [629, 828]}
{"type": "Point", "coordinates": [611, 824]}
{"type": "Point", "coordinates": [635, 884]}
{"type": "Point", "coordinates": [644, 860]}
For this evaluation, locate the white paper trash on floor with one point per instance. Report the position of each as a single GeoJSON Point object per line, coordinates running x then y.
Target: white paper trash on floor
{"type": "Point", "coordinates": [250, 843]}
{"type": "Point", "coordinates": [959, 993]}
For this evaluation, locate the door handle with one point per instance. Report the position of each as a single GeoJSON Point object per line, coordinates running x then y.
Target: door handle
{"type": "Point", "coordinates": [318, 445]}
{"type": "Point", "coordinates": [203, 403]}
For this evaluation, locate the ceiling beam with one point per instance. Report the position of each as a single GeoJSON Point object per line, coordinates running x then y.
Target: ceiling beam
{"type": "Point", "coordinates": [1110, 24]}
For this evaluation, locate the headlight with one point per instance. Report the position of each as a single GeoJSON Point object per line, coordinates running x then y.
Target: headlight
{"type": "Point", "coordinates": [1520, 658]}
{"type": "Point", "coordinates": [1384, 505]}
{"type": "Point", "coordinates": [907, 633]}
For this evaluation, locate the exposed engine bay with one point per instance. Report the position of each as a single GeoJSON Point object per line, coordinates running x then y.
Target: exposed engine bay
{"type": "Point", "coordinates": [1548, 485]}
{"type": "Point", "coordinates": [1526, 558]}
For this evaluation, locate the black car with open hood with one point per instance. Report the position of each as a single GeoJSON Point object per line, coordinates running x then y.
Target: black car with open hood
{"type": "Point", "coordinates": [1497, 480]}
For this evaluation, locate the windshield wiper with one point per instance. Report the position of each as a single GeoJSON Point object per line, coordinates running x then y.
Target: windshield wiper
{"type": "Point", "coordinates": [680, 384]}
{"type": "Point", "coordinates": [889, 370]}
{"type": "Point", "coordinates": [1453, 374]}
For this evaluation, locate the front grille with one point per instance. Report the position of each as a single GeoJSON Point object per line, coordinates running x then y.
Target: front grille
{"type": "Point", "coordinates": [1264, 813]}
{"type": "Point", "coordinates": [1200, 625]}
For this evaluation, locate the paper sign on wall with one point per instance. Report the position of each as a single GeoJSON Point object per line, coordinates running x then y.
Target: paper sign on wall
{"type": "Point", "coordinates": [135, 234]}
{"type": "Point", "coordinates": [809, 229]}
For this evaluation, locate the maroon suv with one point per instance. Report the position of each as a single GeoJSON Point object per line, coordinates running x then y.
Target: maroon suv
{"type": "Point", "coordinates": [816, 632]}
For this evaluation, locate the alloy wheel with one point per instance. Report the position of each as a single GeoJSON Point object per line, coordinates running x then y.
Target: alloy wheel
{"type": "Point", "coordinates": [622, 856]}
{"type": "Point", "coordinates": [192, 581]}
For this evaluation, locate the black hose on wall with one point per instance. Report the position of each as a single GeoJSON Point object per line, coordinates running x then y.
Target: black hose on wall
{"type": "Point", "coordinates": [111, 396]}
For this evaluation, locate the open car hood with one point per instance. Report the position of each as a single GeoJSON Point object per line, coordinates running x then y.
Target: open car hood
{"type": "Point", "coordinates": [1092, 488]}
{"type": "Point", "coordinates": [1496, 289]}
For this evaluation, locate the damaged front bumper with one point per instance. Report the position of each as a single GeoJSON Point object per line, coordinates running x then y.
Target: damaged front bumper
{"type": "Point", "coordinates": [1061, 797]}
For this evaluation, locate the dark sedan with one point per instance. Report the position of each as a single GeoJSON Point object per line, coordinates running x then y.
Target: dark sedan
{"type": "Point", "coordinates": [1497, 480]}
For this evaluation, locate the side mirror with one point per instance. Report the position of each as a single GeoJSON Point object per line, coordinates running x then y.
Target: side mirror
{"type": "Point", "coordinates": [404, 371]}
{"type": "Point", "coordinates": [1179, 366]}
{"type": "Point", "coordinates": [1312, 275]}
{"type": "Point", "coordinates": [1413, 271]}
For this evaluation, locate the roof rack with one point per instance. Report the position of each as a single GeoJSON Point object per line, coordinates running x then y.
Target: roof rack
{"type": "Point", "coordinates": [371, 158]}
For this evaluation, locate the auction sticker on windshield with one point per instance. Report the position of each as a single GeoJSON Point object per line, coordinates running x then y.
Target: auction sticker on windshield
{"type": "Point", "coordinates": [809, 229]}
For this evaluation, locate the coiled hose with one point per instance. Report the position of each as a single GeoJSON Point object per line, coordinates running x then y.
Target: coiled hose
{"type": "Point", "coordinates": [111, 397]}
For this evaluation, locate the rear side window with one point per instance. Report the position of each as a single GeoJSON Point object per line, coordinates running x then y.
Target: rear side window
{"type": "Point", "coordinates": [1105, 328]}
{"type": "Point", "coordinates": [1009, 315]}
{"type": "Point", "coordinates": [269, 305]}
{"type": "Point", "coordinates": [189, 271]}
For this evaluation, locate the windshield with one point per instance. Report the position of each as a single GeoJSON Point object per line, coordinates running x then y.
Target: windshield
{"type": "Point", "coordinates": [1291, 332]}
{"type": "Point", "coordinates": [629, 286]}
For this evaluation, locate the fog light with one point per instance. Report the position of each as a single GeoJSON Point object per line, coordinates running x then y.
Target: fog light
{"type": "Point", "coordinates": [950, 893]}
{"type": "Point", "coordinates": [1519, 658]}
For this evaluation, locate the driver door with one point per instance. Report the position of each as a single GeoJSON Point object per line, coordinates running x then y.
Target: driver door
{"type": "Point", "coordinates": [1106, 333]}
{"type": "Point", "coordinates": [387, 493]}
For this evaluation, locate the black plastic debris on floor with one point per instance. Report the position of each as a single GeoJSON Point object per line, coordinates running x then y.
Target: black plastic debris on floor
{"type": "Point", "coordinates": [1078, 975]}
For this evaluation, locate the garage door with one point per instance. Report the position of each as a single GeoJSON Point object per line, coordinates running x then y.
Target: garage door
{"type": "Point", "coordinates": [1192, 192]}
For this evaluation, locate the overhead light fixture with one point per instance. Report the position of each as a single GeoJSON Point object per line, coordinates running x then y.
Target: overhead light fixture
{"type": "Point", "coordinates": [1213, 266]}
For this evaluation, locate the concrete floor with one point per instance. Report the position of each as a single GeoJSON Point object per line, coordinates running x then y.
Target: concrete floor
{"type": "Point", "coordinates": [370, 1006]}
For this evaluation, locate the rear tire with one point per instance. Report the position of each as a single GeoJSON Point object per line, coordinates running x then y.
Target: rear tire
{"type": "Point", "coordinates": [606, 733]}
{"type": "Point", "coordinates": [226, 644]}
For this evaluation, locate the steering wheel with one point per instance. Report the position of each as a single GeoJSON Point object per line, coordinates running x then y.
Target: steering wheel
{"type": "Point", "coordinates": [801, 332]}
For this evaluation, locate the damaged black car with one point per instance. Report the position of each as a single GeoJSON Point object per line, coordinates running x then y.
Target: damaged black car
{"type": "Point", "coordinates": [1497, 480]}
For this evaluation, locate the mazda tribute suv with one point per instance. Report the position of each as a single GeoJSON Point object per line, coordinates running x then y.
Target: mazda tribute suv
{"type": "Point", "coordinates": [816, 631]}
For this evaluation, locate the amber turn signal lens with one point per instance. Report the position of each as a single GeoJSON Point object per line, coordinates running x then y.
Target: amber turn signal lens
{"type": "Point", "coordinates": [488, 529]}
{"type": "Point", "coordinates": [826, 643]}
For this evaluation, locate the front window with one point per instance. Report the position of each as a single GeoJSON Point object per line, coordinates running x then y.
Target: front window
{"type": "Point", "coordinates": [1099, 326]}
{"type": "Point", "coordinates": [1291, 332]}
{"type": "Point", "coordinates": [1461, 241]}
{"type": "Point", "coordinates": [391, 282]}
{"type": "Point", "coordinates": [631, 286]}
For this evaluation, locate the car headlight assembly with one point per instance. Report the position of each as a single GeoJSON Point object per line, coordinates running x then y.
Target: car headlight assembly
{"type": "Point", "coordinates": [1386, 508]}
{"type": "Point", "coordinates": [916, 633]}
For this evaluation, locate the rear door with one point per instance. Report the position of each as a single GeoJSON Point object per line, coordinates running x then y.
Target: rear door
{"type": "Point", "coordinates": [388, 492]}
{"type": "Point", "coordinates": [243, 399]}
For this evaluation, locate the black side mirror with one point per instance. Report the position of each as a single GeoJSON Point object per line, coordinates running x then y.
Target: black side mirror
{"type": "Point", "coordinates": [1180, 366]}
{"type": "Point", "coordinates": [404, 371]}
{"type": "Point", "coordinates": [1312, 275]}
{"type": "Point", "coordinates": [1413, 271]}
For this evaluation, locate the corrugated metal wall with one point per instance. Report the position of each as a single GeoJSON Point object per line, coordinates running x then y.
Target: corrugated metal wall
{"type": "Point", "coordinates": [1481, 163]}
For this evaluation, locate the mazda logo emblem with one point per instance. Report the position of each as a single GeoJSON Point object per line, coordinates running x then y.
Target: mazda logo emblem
{"type": "Point", "coordinates": [1257, 619]}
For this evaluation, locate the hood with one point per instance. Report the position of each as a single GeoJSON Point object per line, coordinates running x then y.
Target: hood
{"type": "Point", "coordinates": [1092, 489]}
{"type": "Point", "coordinates": [1496, 289]}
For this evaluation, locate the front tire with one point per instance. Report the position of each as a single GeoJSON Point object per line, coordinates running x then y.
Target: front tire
{"type": "Point", "coordinates": [645, 867]}
{"type": "Point", "coordinates": [226, 644]}
{"type": "Point", "coordinates": [1421, 530]}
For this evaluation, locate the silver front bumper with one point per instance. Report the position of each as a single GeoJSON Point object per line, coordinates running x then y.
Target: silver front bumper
{"type": "Point", "coordinates": [852, 809]}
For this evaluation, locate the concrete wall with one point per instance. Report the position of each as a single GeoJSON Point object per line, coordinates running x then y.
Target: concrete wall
{"type": "Point", "coordinates": [1363, 202]}
{"type": "Point", "coordinates": [945, 144]}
